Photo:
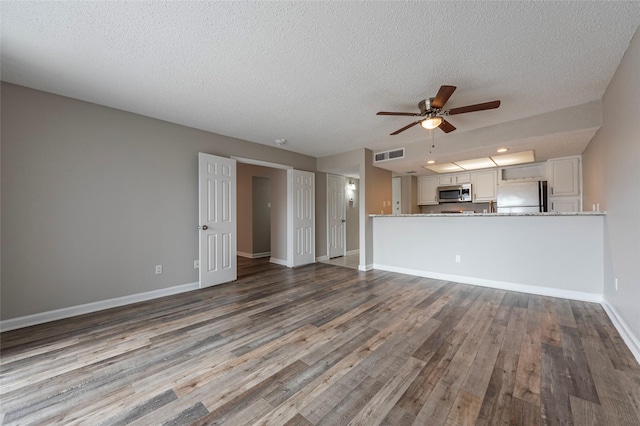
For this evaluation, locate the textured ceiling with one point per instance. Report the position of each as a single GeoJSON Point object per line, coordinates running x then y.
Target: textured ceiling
{"type": "Point", "coordinates": [316, 73]}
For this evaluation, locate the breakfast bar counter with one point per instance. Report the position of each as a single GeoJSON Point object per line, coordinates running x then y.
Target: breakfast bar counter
{"type": "Point", "coordinates": [555, 254]}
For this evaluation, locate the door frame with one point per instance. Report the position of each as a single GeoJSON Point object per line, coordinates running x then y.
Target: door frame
{"type": "Point", "coordinates": [290, 236]}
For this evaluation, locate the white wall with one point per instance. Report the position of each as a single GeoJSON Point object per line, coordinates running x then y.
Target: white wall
{"type": "Point", "coordinates": [557, 255]}
{"type": "Point", "coordinates": [93, 198]}
{"type": "Point", "coordinates": [611, 171]}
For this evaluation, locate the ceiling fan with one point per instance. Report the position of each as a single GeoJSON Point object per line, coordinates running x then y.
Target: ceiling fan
{"type": "Point", "coordinates": [431, 110]}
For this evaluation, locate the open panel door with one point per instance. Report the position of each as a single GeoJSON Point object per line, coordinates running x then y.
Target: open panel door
{"type": "Point", "coordinates": [301, 198]}
{"type": "Point", "coordinates": [217, 214]}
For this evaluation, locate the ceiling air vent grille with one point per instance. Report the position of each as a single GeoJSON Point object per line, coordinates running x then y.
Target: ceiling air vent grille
{"type": "Point", "coordinates": [388, 155]}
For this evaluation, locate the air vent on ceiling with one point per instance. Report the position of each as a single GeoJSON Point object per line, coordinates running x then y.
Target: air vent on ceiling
{"type": "Point", "coordinates": [388, 155]}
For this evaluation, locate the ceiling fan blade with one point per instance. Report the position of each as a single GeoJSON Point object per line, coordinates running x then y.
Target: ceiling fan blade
{"type": "Point", "coordinates": [405, 127]}
{"type": "Point", "coordinates": [423, 107]}
{"type": "Point", "coordinates": [473, 108]}
{"type": "Point", "coordinates": [408, 114]}
{"type": "Point", "coordinates": [446, 127]}
{"type": "Point", "coordinates": [443, 96]}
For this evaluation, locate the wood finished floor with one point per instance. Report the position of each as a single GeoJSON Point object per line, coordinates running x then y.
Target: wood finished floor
{"type": "Point", "coordinates": [325, 345]}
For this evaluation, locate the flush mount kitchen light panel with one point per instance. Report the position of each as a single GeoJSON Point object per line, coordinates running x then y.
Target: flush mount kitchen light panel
{"type": "Point", "coordinates": [483, 163]}
{"type": "Point", "coordinates": [444, 168]}
{"type": "Point", "coordinates": [476, 163]}
{"type": "Point", "coordinates": [515, 158]}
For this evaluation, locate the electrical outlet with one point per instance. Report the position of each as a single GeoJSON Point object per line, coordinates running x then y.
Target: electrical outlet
{"type": "Point", "coordinates": [196, 264]}
{"type": "Point", "coordinates": [616, 284]}
{"type": "Point", "coordinates": [158, 269]}
{"type": "Point", "coordinates": [458, 258]}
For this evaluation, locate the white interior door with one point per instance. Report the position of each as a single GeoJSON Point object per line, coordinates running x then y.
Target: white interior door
{"type": "Point", "coordinates": [336, 216]}
{"type": "Point", "coordinates": [217, 214]}
{"type": "Point", "coordinates": [396, 195]}
{"type": "Point", "coordinates": [301, 198]}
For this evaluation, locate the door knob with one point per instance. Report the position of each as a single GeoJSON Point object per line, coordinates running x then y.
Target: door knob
{"type": "Point", "coordinates": [204, 227]}
{"type": "Point", "coordinates": [343, 221]}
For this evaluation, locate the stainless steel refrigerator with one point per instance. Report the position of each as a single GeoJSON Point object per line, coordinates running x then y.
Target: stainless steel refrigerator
{"type": "Point", "coordinates": [525, 197]}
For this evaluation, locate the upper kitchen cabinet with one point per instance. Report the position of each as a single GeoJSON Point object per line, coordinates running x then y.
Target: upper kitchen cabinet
{"type": "Point", "coordinates": [454, 179]}
{"type": "Point", "coordinates": [427, 190]}
{"type": "Point", "coordinates": [564, 177]}
{"type": "Point", "coordinates": [484, 185]}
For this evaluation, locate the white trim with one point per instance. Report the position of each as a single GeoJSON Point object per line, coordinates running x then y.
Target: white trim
{"type": "Point", "coordinates": [502, 285]}
{"type": "Point", "coordinates": [627, 335]}
{"type": "Point", "coordinates": [261, 163]}
{"type": "Point", "coordinates": [282, 262]}
{"type": "Point", "coordinates": [366, 268]}
{"type": "Point", "coordinates": [322, 258]}
{"type": "Point", "coordinates": [72, 311]}
{"type": "Point", "coordinates": [350, 252]}
{"type": "Point", "coordinates": [253, 255]}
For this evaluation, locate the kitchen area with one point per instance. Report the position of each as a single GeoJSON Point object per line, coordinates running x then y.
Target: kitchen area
{"type": "Point", "coordinates": [519, 228]}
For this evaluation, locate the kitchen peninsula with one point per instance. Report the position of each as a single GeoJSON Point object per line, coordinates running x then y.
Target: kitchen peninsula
{"type": "Point", "coordinates": [553, 254]}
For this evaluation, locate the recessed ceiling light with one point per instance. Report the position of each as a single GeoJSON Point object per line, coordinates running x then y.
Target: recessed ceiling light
{"type": "Point", "coordinates": [431, 161]}
{"type": "Point", "coordinates": [503, 149]}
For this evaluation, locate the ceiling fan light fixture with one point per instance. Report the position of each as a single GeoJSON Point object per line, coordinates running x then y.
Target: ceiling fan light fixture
{"type": "Point", "coordinates": [431, 122]}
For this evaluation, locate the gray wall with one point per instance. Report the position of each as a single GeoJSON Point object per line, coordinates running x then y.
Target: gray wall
{"type": "Point", "coordinates": [94, 197]}
{"type": "Point", "coordinates": [611, 176]}
{"type": "Point", "coordinates": [261, 209]}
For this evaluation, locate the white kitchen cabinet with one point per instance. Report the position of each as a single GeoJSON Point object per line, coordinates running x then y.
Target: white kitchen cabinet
{"type": "Point", "coordinates": [564, 177]}
{"type": "Point", "coordinates": [564, 204]}
{"type": "Point", "coordinates": [445, 180]}
{"type": "Point", "coordinates": [454, 179]}
{"type": "Point", "coordinates": [484, 185]}
{"type": "Point", "coordinates": [427, 190]}
{"type": "Point", "coordinates": [463, 178]}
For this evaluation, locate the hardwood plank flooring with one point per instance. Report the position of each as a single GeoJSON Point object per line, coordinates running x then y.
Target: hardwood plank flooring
{"type": "Point", "coordinates": [324, 345]}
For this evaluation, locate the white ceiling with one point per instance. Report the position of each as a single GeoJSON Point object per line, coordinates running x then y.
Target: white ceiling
{"type": "Point", "coordinates": [316, 73]}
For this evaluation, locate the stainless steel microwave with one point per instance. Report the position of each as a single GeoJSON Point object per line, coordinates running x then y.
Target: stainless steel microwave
{"type": "Point", "coordinates": [454, 193]}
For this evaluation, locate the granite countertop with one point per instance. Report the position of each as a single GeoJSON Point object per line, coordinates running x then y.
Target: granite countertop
{"type": "Point", "coordinates": [491, 214]}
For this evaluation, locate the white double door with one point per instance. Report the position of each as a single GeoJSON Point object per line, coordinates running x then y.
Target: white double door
{"type": "Point", "coordinates": [217, 186]}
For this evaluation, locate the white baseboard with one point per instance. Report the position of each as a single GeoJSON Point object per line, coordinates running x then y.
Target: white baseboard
{"type": "Point", "coordinates": [282, 262]}
{"type": "Point", "coordinates": [369, 267]}
{"type": "Point", "coordinates": [253, 255]}
{"type": "Point", "coordinates": [501, 285]}
{"type": "Point", "coordinates": [629, 338]}
{"type": "Point", "coordinates": [350, 252]}
{"type": "Point", "coordinates": [72, 311]}
{"type": "Point", "coordinates": [322, 258]}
